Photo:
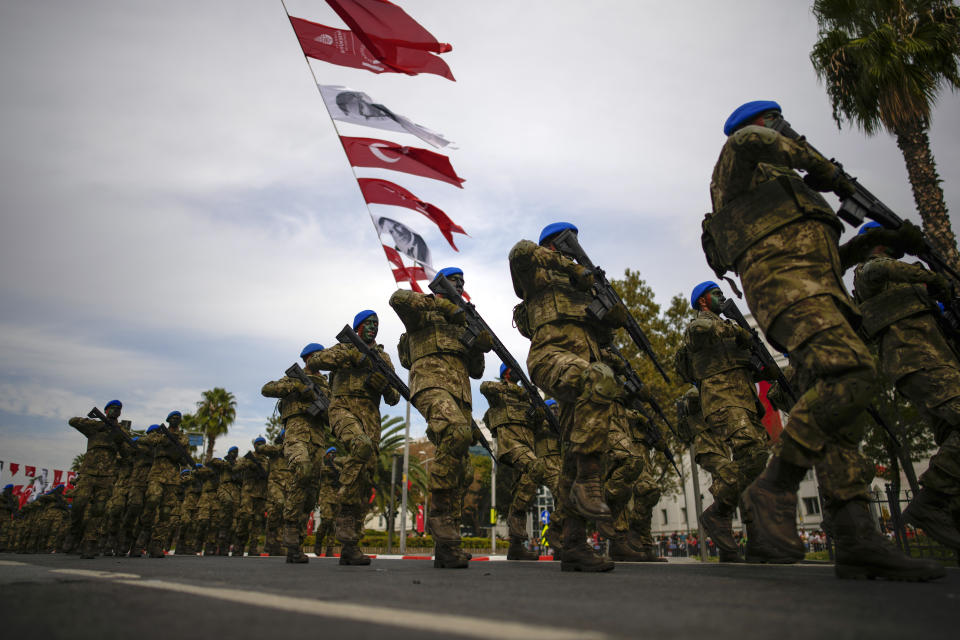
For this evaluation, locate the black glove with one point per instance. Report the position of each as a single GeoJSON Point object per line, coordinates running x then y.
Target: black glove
{"type": "Point", "coordinates": [377, 381]}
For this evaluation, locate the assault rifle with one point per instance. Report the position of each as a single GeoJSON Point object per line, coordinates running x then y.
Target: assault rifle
{"type": "Point", "coordinates": [605, 297]}
{"type": "Point", "coordinates": [176, 445]}
{"type": "Point", "coordinates": [863, 204]}
{"type": "Point", "coordinates": [476, 325]}
{"type": "Point", "coordinates": [635, 390]}
{"type": "Point", "coordinates": [114, 426]}
{"type": "Point", "coordinates": [760, 358]}
{"type": "Point", "coordinates": [348, 335]}
{"type": "Point", "coordinates": [321, 403]}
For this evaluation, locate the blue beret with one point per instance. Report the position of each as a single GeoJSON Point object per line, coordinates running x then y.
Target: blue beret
{"type": "Point", "coordinates": [59, 486]}
{"type": "Point", "coordinates": [550, 402]}
{"type": "Point", "coordinates": [701, 289]}
{"type": "Point", "coordinates": [503, 369]}
{"type": "Point", "coordinates": [360, 317]}
{"type": "Point", "coordinates": [218, 458]}
{"type": "Point", "coordinates": [446, 272]}
{"type": "Point", "coordinates": [9, 486]}
{"type": "Point", "coordinates": [111, 403]}
{"type": "Point", "coordinates": [282, 431]}
{"type": "Point", "coordinates": [183, 471]}
{"type": "Point", "coordinates": [328, 451]}
{"type": "Point", "coordinates": [310, 348]}
{"type": "Point", "coordinates": [152, 428]}
{"type": "Point", "coordinates": [134, 438]}
{"type": "Point", "coordinates": [174, 413]}
{"type": "Point", "coordinates": [554, 228]}
{"type": "Point", "coordinates": [231, 449]}
{"type": "Point", "coordinates": [261, 440]}
{"type": "Point", "coordinates": [197, 465]}
{"type": "Point", "coordinates": [870, 225]}
{"type": "Point", "coordinates": [747, 111]}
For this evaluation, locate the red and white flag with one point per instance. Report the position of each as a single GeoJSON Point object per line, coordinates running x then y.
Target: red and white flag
{"type": "Point", "coordinates": [392, 36]}
{"type": "Point", "coordinates": [57, 476]}
{"type": "Point", "coordinates": [405, 240]}
{"type": "Point", "coordinates": [403, 273]}
{"type": "Point", "coordinates": [376, 191]}
{"type": "Point", "coordinates": [14, 467]}
{"type": "Point", "coordinates": [381, 154]}
{"type": "Point", "coordinates": [356, 107]}
{"type": "Point", "coordinates": [30, 472]}
{"type": "Point", "coordinates": [71, 476]}
{"type": "Point", "coordinates": [343, 47]}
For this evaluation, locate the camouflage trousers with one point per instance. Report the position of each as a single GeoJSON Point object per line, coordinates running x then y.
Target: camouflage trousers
{"type": "Point", "coordinates": [356, 424]}
{"type": "Point", "coordinates": [207, 516]}
{"type": "Point", "coordinates": [88, 514]}
{"type": "Point", "coordinates": [160, 503]}
{"type": "Point", "coordinates": [303, 449]}
{"type": "Point", "coordinates": [836, 375]}
{"type": "Point", "coordinates": [734, 448]}
{"type": "Point", "coordinates": [276, 497]}
{"type": "Point", "coordinates": [646, 495]}
{"type": "Point", "coordinates": [136, 497]}
{"type": "Point", "coordinates": [623, 463]}
{"type": "Point", "coordinates": [116, 508]}
{"type": "Point", "coordinates": [936, 393]}
{"type": "Point", "coordinates": [250, 520]}
{"type": "Point", "coordinates": [187, 536]}
{"type": "Point", "coordinates": [516, 447]}
{"type": "Point", "coordinates": [329, 510]}
{"type": "Point", "coordinates": [228, 503]}
{"type": "Point", "coordinates": [448, 428]}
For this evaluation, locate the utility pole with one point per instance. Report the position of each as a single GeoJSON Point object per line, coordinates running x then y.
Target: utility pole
{"type": "Point", "coordinates": [393, 492]}
{"type": "Point", "coordinates": [493, 500]}
{"type": "Point", "coordinates": [406, 475]}
{"type": "Point", "coordinates": [697, 502]}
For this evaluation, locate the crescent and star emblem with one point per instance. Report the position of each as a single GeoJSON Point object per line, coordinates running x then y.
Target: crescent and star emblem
{"type": "Point", "coordinates": [375, 149]}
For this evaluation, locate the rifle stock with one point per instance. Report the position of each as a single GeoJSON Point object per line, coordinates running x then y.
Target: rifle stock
{"type": "Point", "coordinates": [114, 426]}
{"type": "Point", "coordinates": [321, 403]}
{"type": "Point", "coordinates": [348, 336]}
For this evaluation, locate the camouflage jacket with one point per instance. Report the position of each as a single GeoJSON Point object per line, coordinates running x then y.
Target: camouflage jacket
{"type": "Point", "coordinates": [166, 457]}
{"type": "Point", "coordinates": [509, 405]}
{"type": "Point", "coordinates": [209, 480]}
{"type": "Point", "coordinates": [228, 471]}
{"type": "Point", "coordinates": [348, 378]}
{"type": "Point", "coordinates": [756, 194]}
{"type": "Point", "coordinates": [715, 356]}
{"type": "Point", "coordinates": [294, 396]}
{"type": "Point", "coordinates": [254, 478]}
{"type": "Point", "coordinates": [900, 315]}
{"type": "Point", "coordinates": [276, 462]}
{"type": "Point", "coordinates": [690, 422]}
{"type": "Point", "coordinates": [9, 504]}
{"type": "Point", "coordinates": [103, 446]}
{"type": "Point", "coordinates": [438, 358]}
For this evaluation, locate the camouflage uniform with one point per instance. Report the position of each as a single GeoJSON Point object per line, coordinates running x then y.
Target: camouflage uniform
{"type": "Point", "coordinates": [98, 471]}
{"type": "Point", "coordinates": [253, 500]}
{"type": "Point", "coordinates": [440, 371]}
{"type": "Point", "coordinates": [54, 521]}
{"type": "Point", "coordinates": [547, 449]}
{"type": "Point", "coordinates": [163, 483]}
{"type": "Point", "coordinates": [278, 479]}
{"type": "Point", "coordinates": [9, 505]}
{"type": "Point", "coordinates": [715, 356]}
{"type": "Point", "coordinates": [900, 315]}
{"type": "Point", "coordinates": [355, 420]}
{"type": "Point", "coordinates": [142, 460]}
{"type": "Point", "coordinates": [565, 361]}
{"type": "Point", "coordinates": [117, 504]}
{"type": "Point", "coordinates": [228, 500]}
{"type": "Point", "coordinates": [511, 423]}
{"type": "Point", "coordinates": [329, 506]}
{"type": "Point", "coordinates": [207, 510]}
{"type": "Point", "coordinates": [303, 447]}
{"type": "Point", "coordinates": [187, 537]}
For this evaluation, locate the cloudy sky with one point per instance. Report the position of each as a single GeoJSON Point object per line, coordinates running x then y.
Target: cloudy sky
{"type": "Point", "coordinates": [178, 214]}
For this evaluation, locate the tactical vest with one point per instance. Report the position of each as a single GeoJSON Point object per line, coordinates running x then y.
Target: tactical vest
{"type": "Point", "coordinates": [351, 382]}
{"type": "Point", "coordinates": [296, 403]}
{"type": "Point", "coordinates": [729, 232]}
{"type": "Point", "coordinates": [167, 449]}
{"type": "Point", "coordinates": [894, 304]}
{"type": "Point", "coordinates": [556, 300]}
{"type": "Point", "coordinates": [719, 357]}
{"type": "Point", "coordinates": [435, 338]}
{"type": "Point", "coordinates": [506, 407]}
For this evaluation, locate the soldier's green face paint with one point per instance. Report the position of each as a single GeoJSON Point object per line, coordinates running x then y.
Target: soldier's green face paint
{"type": "Point", "coordinates": [714, 299]}
{"type": "Point", "coordinates": [113, 411]}
{"type": "Point", "coordinates": [457, 281]}
{"type": "Point", "coordinates": [369, 328]}
{"type": "Point", "coordinates": [174, 422]}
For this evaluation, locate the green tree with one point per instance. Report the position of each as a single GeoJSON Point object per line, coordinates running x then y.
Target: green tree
{"type": "Point", "coordinates": [392, 430]}
{"type": "Point", "coordinates": [906, 422]}
{"type": "Point", "coordinates": [216, 411]}
{"type": "Point", "coordinates": [273, 427]}
{"type": "Point", "coordinates": [884, 62]}
{"type": "Point", "coordinates": [664, 329]}
{"type": "Point", "coordinates": [77, 462]}
{"type": "Point", "coordinates": [189, 423]}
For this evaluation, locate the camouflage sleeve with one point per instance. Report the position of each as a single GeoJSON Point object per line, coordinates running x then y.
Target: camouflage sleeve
{"type": "Point", "coordinates": [756, 144]}
{"type": "Point", "coordinates": [390, 395]}
{"type": "Point", "coordinates": [339, 356]}
{"type": "Point", "coordinates": [216, 463]}
{"type": "Point", "coordinates": [681, 363]}
{"type": "Point", "coordinates": [243, 464]}
{"type": "Point", "coordinates": [272, 450]}
{"type": "Point", "coordinates": [403, 301]}
{"type": "Point", "coordinates": [86, 426]}
{"type": "Point", "coordinates": [898, 271]}
{"type": "Point", "coordinates": [153, 439]}
{"type": "Point", "coordinates": [281, 388]}
{"type": "Point", "coordinates": [489, 390]}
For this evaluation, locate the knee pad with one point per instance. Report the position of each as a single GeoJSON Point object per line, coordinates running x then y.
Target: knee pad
{"type": "Point", "coordinates": [361, 447]}
{"type": "Point", "coordinates": [598, 384]}
{"type": "Point", "coordinates": [456, 439]}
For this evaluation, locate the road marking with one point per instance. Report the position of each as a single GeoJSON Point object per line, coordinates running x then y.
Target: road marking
{"type": "Point", "coordinates": [442, 623]}
{"type": "Point", "coordinates": [12, 563]}
{"type": "Point", "coordinates": [90, 573]}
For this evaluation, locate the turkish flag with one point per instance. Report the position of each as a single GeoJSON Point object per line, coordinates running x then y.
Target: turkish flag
{"type": "Point", "coordinates": [70, 477]}
{"type": "Point", "coordinates": [14, 467]}
{"type": "Point", "coordinates": [402, 273]}
{"type": "Point", "coordinates": [387, 23]}
{"type": "Point", "coordinates": [377, 191]}
{"type": "Point", "coordinates": [344, 48]}
{"type": "Point", "coordinates": [381, 154]}
{"type": "Point", "coordinates": [57, 476]}
{"type": "Point", "coordinates": [30, 472]}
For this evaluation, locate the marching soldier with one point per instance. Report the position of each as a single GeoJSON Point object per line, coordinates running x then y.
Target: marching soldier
{"type": "Point", "coordinates": [228, 499]}
{"type": "Point", "coordinates": [781, 237]}
{"type": "Point", "coordinates": [278, 478]}
{"type": "Point", "coordinates": [329, 504]}
{"type": "Point", "coordinates": [191, 487]}
{"type": "Point", "coordinates": [253, 497]}
{"type": "Point", "coordinates": [440, 371]}
{"type": "Point", "coordinates": [715, 356]}
{"type": "Point", "coordinates": [163, 484]}
{"type": "Point", "coordinates": [207, 511]}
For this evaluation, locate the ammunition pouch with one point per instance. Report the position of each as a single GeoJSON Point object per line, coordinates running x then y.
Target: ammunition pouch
{"type": "Point", "coordinates": [893, 305]}
{"type": "Point", "coordinates": [554, 303]}
{"type": "Point", "coordinates": [436, 338]}
{"type": "Point", "coordinates": [729, 232]}
{"type": "Point", "coordinates": [521, 321]}
{"type": "Point", "coordinates": [350, 382]}
{"type": "Point", "coordinates": [716, 358]}
{"type": "Point", "coordinates": [403, 351]}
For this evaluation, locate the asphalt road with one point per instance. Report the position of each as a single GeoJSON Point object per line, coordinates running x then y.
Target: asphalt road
{"type": "Point", "coordinates": [235, 598]}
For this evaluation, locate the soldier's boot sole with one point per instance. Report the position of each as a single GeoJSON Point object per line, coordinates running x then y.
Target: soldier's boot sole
{"type": "Point", "coordinates": [297, 558]}
{"type": "Point", "coordinates": [732, 557]}
{"type": "Point", "coordinates": [935, 522]}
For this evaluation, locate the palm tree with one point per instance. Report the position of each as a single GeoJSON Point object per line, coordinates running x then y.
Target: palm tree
{"type": "Point", "coordinates": [391, 443]}
{"type": "Point", "coordinates": [884, 62]}
{"type": "Point", "coordinates": [216, 411]}
{"type": "Point", "coordinates": [77, 462]}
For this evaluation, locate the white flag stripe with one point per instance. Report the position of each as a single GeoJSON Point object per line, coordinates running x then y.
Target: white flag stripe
{"type": "Point", "coordinates": [405, 240]}
{"type": "Point", "coordinates": [356, 107]}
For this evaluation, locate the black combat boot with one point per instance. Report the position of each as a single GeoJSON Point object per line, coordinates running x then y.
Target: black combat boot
{"type": "Point", "coordinates": [586, 494]}
{"type": "Point", "coordinates": [577, 554]}
{"type": "Point", "coordinates": [717, 522]}
{"type": "Point", "coordinates": [143, 539]}
{"type": "Point", "coordinates": [930, 510]}
{"type": "Point", "coordinates": [328, 552]}
{"type": "Point", "coordinates": [863, 552]}
{"type": "Point", "coordinates": [209, 549]}
{"type": "Point", "coordinates": [770, 512]}
{"type": "Point", "coordinates": [291, 540]}
{"type": "Point", "coordinates": [350, 554]}
{"type": "Point", "coordinates": [516, 550]}
{"type": "Point", "coordinates": [296, 556]}
{"type": "Point", "coordinates": [449, 555]}
{"type": "Point", "coordinates": [622, 551]}
{"type": "Point", "coordinates": [637, 539]}
{"type": "Point", "coordinates": [554, 537]}
{"type": "Point", "coordinates": [88, 549]}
